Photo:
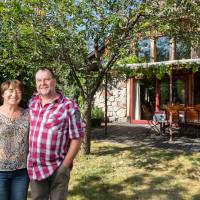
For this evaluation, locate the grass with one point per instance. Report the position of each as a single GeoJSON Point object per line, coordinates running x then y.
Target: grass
{"type": "Point", "coordinates": [119, 172]}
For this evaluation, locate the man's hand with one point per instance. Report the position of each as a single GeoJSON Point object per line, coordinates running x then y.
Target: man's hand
{"type": "Point", "coordinates": [72, 151]}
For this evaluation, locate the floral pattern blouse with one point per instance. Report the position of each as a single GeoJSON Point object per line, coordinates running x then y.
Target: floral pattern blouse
{"type": "Point", "coordinates": [13, 142]}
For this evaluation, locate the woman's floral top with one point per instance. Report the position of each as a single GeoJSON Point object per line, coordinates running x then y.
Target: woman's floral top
{"type": "Point", "coordinates": [13, 142]}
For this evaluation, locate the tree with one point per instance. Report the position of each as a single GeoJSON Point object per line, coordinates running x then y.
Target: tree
{"type": "Point", "coordinates": [108, 28]}
{"type": "Point", "coordinates": [82, 40]}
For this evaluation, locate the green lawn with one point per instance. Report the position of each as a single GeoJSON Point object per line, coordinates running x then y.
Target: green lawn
{"type": "Point", "coordinates": [119, 172]}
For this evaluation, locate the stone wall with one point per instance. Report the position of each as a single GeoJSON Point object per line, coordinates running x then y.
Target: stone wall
{"type": "Point", "coordinates": [117, 102]}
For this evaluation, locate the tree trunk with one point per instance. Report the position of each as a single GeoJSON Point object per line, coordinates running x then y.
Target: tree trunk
{"type": "Point", "coordinates": [85, 147]}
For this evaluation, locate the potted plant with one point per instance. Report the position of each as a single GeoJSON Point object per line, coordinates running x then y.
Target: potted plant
{"type": "Point", "coordinates": [97, 116]}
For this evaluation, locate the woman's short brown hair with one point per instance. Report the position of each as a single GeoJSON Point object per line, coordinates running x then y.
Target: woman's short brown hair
{"type": "Point", "coordinates": [15, 83]}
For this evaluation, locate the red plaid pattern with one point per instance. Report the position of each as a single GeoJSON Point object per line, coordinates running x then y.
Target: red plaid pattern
{"type": "Point", "coordinates": [51, 128]}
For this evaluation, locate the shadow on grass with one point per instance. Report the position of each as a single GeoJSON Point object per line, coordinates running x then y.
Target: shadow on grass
{"type": "Point", "coordinates": [196, 197]}
{"type": "Point", "coordinates": [141, 156]}
{"type": "Point", "coordinates": [93, 187]}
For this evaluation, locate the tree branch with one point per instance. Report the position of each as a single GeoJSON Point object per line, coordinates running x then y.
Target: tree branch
{"type": "Point", "coordinates": [114, 57]}
{"type": "Point", "coordinates": [102, 74]}
{"type": "Point", "coordinates": [72, 67]}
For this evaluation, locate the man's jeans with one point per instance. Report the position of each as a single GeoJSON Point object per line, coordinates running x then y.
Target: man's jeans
{"type": "Point", "coordinates": [14, 185]}
{"type": "Point", "coordinates": [54, 187]}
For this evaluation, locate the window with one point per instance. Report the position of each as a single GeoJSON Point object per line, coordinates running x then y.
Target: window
{"type": "Point", "coordinates": [182, 50]}
{"type": "Point", "coordinates": [164, 93]}
{"type": "Point", "coordinates": [178, 91]}
{"type": "Point", "coordinates": [162, 48]}
{"type": "Point", "coordinates": [143, 47]}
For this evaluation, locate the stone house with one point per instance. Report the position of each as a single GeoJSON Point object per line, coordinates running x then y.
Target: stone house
{"type": "Point", "coordinates": [125, 100]}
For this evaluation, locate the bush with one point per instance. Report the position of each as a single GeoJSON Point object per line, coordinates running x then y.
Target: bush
{"type": "Point", "coordinates": [97, 113]}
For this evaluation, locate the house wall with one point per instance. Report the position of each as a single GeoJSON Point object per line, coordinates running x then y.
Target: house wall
{"type": "Point", "coordinates": [116, 101]}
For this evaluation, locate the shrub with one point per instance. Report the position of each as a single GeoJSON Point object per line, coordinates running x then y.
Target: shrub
{"type": "Point", "coordinates": [97, 113]}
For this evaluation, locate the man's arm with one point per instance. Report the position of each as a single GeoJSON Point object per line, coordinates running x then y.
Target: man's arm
{"type": "Point", "coordinates": [72, 151]}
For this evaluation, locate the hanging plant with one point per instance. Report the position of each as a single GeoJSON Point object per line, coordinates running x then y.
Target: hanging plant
{"type": "Point", "coordinates": [195, 67]}
{"type": "Point", "coordinates": [158, 71]}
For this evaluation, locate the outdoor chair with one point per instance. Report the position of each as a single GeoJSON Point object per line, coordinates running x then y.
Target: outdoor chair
{"type": "Point", "coordinates": [191, 125]}
{"type": "Point", "coordinates": [157, 124]}
{"type": "Point", "coordinates": [174, 112]}
{"type": "Point", "coordinates": [173, 120]}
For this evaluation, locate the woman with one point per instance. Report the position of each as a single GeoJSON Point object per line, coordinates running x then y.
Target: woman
{"type": "Point", "coordinates": [14, 179]}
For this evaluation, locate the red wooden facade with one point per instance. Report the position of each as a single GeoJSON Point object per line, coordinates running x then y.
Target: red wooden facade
{"type": "Point", "coordinates": [190, 84]}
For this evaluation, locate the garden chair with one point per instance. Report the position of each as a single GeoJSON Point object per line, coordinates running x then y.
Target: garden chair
{"type": "Point", "coordinates": [157, 123]}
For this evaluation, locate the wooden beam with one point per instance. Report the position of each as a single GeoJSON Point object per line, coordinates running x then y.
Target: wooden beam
{"type": "Point", "coordinates": [152, 50]}
{"type": "Point", "coordinates": [172, 49]}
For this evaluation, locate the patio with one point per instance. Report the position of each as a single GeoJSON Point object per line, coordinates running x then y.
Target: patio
{"type": "Point", "coordinates": [136, 135]}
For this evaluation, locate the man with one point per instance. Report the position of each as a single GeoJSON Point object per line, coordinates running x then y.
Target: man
{"type": "Point", "coordinates": [55, 137]}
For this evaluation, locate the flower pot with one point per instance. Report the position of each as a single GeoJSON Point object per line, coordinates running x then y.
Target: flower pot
{"type": "Point", "coordinates": [96, 122]}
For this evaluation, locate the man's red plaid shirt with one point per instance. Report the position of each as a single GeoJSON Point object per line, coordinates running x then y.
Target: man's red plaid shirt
{"type": "Point", "coordinates": [51, 128]}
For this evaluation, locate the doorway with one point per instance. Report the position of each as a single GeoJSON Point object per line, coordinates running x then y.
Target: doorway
{"type": "Point", "coordinates": [144, 99]}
